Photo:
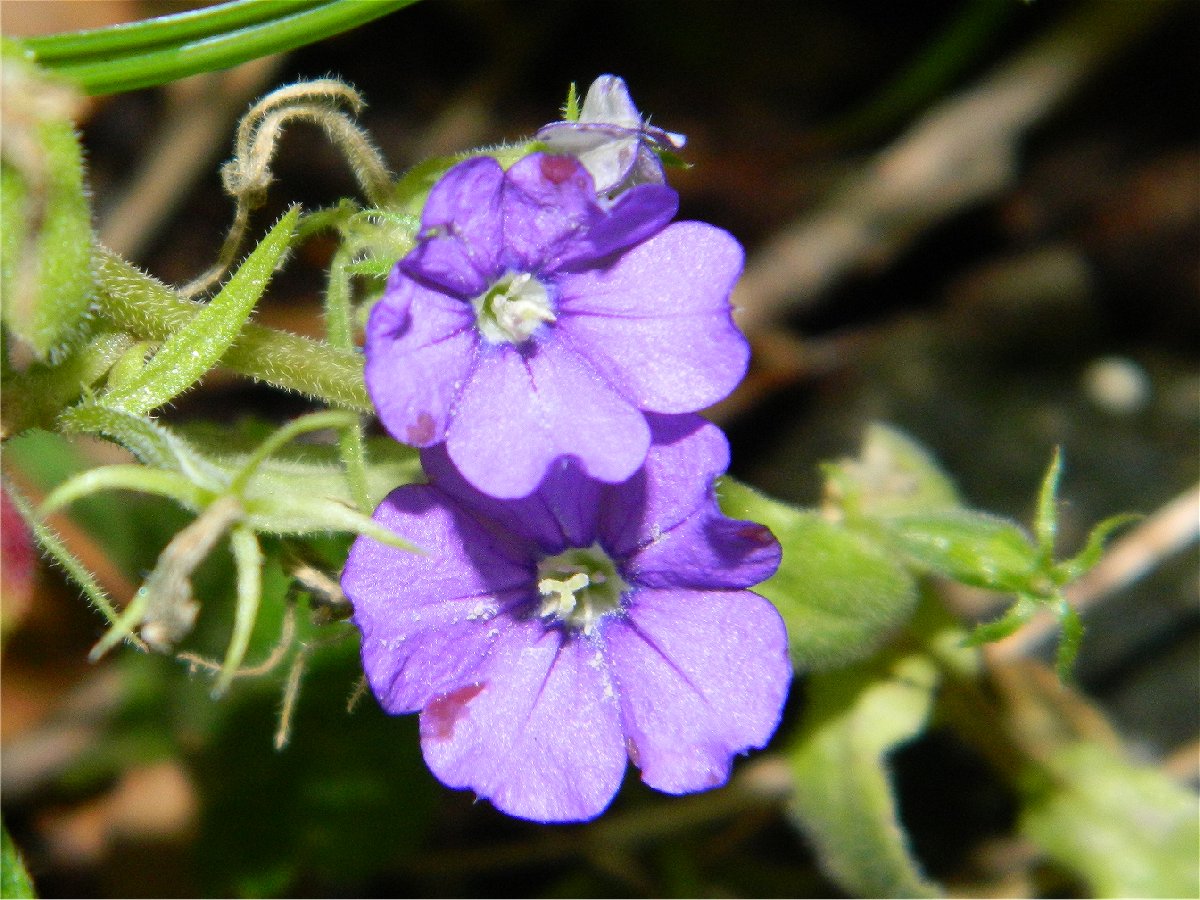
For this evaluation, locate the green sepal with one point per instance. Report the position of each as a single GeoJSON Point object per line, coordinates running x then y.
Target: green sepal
{"type": "Point", "coordinates": [570, 110]}
{"type": "Point", "coordinates": [1070, 640]}
{"type": "Point", "coordinates": [672, 160]}
{"type": "Point", "coordinates": [1045, 523]}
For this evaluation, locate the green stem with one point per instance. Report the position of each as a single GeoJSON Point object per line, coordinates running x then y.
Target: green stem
{"type": "Point", "coordinates": [339, 321]}
{"type": "Point", "coordinates": [147, 309]}
{"type": "Point", "coordinates": [209, 46]}
{"type": "Point", "coordinates": [53, 547]}
{"type": "Point", "coordinates": [34, 398]}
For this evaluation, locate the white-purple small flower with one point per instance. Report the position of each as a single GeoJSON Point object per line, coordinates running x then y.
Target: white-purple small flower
{"type": "Point", "coordinates": [530, 324]}
{"type": "Point", "coordinates": [548, 640]}
{"type": "Point", "coordinates": [611, 140]}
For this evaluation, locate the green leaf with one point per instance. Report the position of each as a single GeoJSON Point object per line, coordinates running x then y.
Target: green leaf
{"type": "Point", "coordinates": [249, 559]}
{"type": "Point", "coordinates": [196, 348]}
{"type": "Point", "coordinates": [46, 279]}
{"type": "Point", "coordinates": [843, 795]}
{"type": "Point", "coordinates": [287, 512]}
{"type": "Point", "coordinates": [150, 53]}
{"type": "Point", "coordinates": [150, 442]}
{"type": "Point", "coordinates": [893, 475]}
{"type": "Point", "coordinates": [1126, 830]}
{"type": "Point", "coordinates": [970, 547]}
{"type": "Point", "coordinates": [840, 594]}
{"type": "Point", "coordinates": [137, 303]}
{"type": "Point", "coordinates": [1016, 616]}
{"type": "Point", "coordinates": [1045, 524]}
{"type": "Point", "coordinates": [146, 479]}
{"type": "Point", "coordinates": [1072, 637]}
{"type": "Point", "coordinates": [15, 882]}
{"type": "Point", "coordinates": [1071, 569]}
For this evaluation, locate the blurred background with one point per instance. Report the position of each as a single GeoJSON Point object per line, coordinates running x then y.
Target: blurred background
{"type": "Point", "coordinates": [978, 221]}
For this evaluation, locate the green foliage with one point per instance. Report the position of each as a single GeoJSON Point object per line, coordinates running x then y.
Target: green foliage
{"type": "Point", "coordinates": [843, 797]}
{"type": "Point", "coordinates": [155, 51]}
{"type": "Point", "coordinates": [1127, 830]}
{"type": "Point", "coordinates": [336, 806]}
{"type": "Point", "coordinates": [147, 309]}
{"type": "Point", "coordinates": [839, 593]}
{"type": "Point", "coordinates": [196, 347]}
{"type": "Point", "coordinates": [15, 882]}
{"type": "Point", "coordinates": [47, 238]}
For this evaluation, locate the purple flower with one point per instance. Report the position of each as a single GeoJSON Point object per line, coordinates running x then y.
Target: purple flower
{"type": "Point", "coordinates": [546, 640]}
{"type": "Point", "coordinates": [529, 324]}
{"type": "Point", "coordinates": [611, 140]}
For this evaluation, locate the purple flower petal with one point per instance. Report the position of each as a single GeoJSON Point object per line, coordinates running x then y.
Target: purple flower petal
{"type": "Point", "coordinates": [518, 413]}
{"type": "Point", "coordinates": [464, 221]}
{"type": "Point", "coordinates": [707, 550]}
{"type": "Point", "coordinates": [658, 321]}
{"type": "Point", "coordinates": [537, 732]}
{"type": "Point", "coordinates": [686, 454]}
{"type": "Point", "coordinates": [608, 152]}
{"type": "Point", "coordinates": [608, 101]}
{"type": "Point", "coordinates": [548, 201]}
{"type": "Point", "coordinates": [701, 677]}
{"type": "Point", "coordinates": [638, 214]}
{"type": "Point", "coordinates": [420, 349]}
{"type": "Point", "coordinates": [428, 618]}
{"type": "Point", "coordinates": [561, 513]}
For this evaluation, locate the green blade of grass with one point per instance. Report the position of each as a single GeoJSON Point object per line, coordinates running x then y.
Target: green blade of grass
{"type": "Point", "coordinates": [156, 64]}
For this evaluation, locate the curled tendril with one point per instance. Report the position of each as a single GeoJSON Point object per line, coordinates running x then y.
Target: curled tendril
{"type": "Point", "coordinates": [327, 103]}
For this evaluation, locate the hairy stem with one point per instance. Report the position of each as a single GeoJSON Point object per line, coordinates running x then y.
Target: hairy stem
{"type": "Point", "coordinates": [149, 310]}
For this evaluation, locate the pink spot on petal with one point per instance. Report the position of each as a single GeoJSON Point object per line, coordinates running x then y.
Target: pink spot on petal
{"type": "Point", "coordinates": [756, 534]}
{"type": "Point", "coordinates": [558, 169]}
{"type": "Point", "coordinates": [422, 431]}
{"type": "Point", "coordinates": [441, 714]}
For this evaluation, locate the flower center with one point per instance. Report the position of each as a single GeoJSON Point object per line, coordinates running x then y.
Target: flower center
{"type": "Point", "coordinates": [579, 586]}
{"type": "Point", "coordinates": [512, 308]}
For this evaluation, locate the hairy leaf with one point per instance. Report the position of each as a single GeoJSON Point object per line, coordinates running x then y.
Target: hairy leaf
{"type": "Point", "coordinates": [194, 349]}
{"type": "Point", "coordinates": [1126, 830]}
{"type": "Point", "coordinates": [843, 800]}
{"type": "Point", "coordinates": [840, 594]}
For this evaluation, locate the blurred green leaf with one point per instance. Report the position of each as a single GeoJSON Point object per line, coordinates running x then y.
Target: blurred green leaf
{"type": "Point", "coordinates": [1126, 830]}
{"type": "Point", "coordinates": [893, 475]}
{"type": "Point", "coordinates": [843, 800]}
{"type": "Point", "coordinates": [840, 594]}
{"type": "Point", "coordinates": [190, 352]}
{"type": "Point", "coordinates": [1045, 523]}
{"type": "Point", "coordinates": [46, 281]}
{"type": "Point", "coordinates": [974, 548]}
{"type": "Point", "coordinates": [14, 879]}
